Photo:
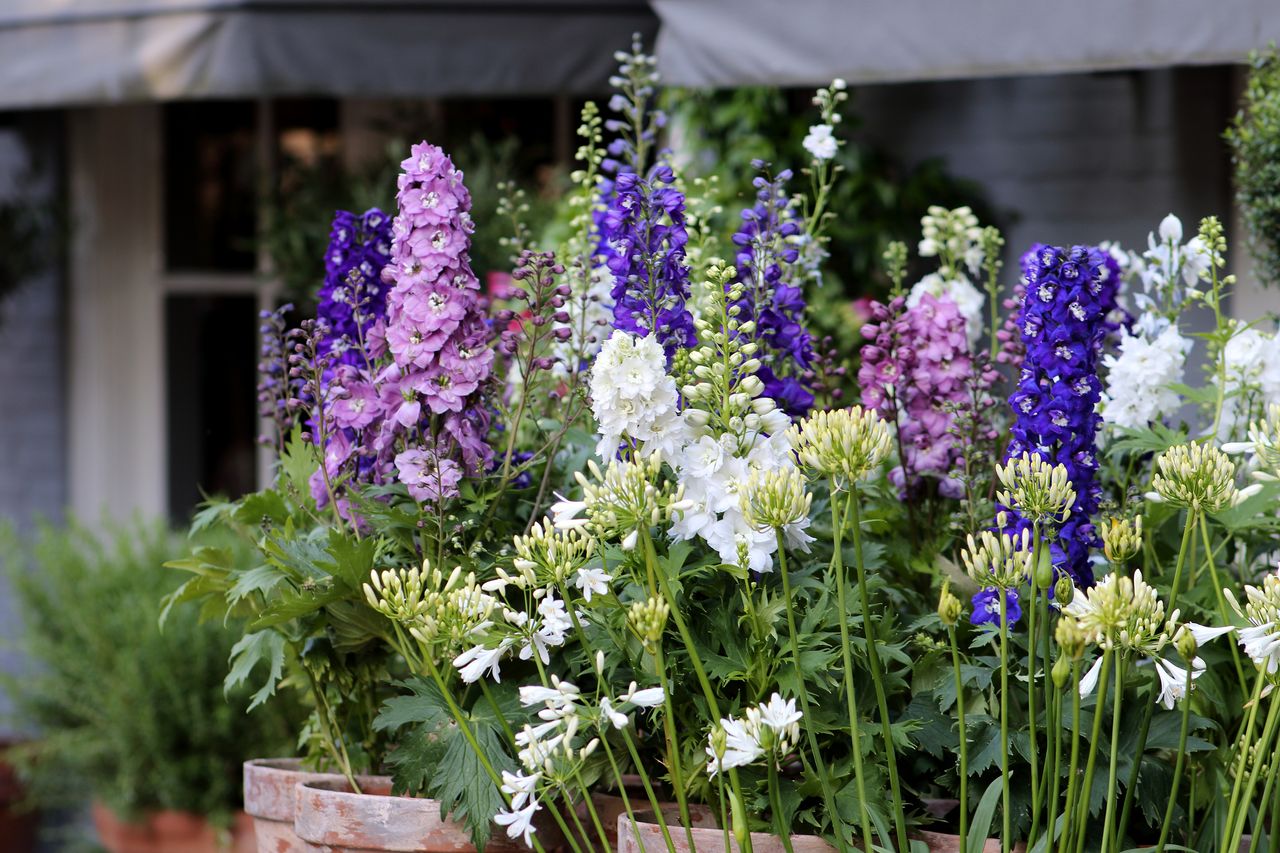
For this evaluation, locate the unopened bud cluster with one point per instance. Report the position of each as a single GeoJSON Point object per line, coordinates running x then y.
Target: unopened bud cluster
{"type": "Point", "coordinates": [775, 499]}
{"type": "Point", "coordinates": [847, 444]}
{"type": "Point", "coordinates": [546, 554]}
{"type": "Point", "coordinates": [648, 619]}
{"type": "Point", "coordinates": [1122, 539]}
{"type": "Point", "coordinates": [1122, 613]}
{"type": "Point", "coordinates": [436, 609]}
{"type": "Point", "coordinates": [622, 500]}
{"type": "Point", "coordinates": [1199, 477]}
{"type": "Point", "coordinates": [948, 606]}
{"type": "Point", "coordinates": [1002, 560]}
{"type": "Point", "coordinates": [1038, 489]}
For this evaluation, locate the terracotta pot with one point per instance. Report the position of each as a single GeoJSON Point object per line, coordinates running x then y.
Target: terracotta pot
{"type": "Point", "coordinates": [270, 797]}
{"type": "Point", "coordinates": [171, 832]}
{"type": "Point", "coordinates": [942, 842]}
{"type": "Point", "coordinates": [18, 825]}
{"type": "Point", "coordinates": [704, 840]}
{"type": "Point", "coordinates": [609, 807]}
{"type": "Point", "coordinates": [332, 819]}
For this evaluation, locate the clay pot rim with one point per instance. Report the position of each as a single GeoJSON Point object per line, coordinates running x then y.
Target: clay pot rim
{"type": "Point", "coordinates": [815, 842]}
{"type": "Point", "coordinates": [270, 787]}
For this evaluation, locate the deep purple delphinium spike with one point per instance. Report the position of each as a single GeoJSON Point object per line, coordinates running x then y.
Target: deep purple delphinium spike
{"type": "Point", "coordinates": [353, 296]}
{"type": "Point", "coordinates": [644, 233]}
{"type": "Point", "coordinates": [1063, 325]}
{"type": "Point", "coordinates": [766, 252]}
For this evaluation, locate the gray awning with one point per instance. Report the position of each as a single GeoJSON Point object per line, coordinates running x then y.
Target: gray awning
{"type": "Point", "coordinates": [106, 51]}
{"type": "Point", "coordinates": [809, 42]}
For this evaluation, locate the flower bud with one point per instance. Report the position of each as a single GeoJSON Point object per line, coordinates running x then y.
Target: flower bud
{"type": "Point", "coordinates": [1185, 642]}
{"type": "Point", "coordinates": [1044, 568]}
{"type": "Point", "coordinates": [948, 606]}
{"type": "Point", "coordinates": [1064, 591]}
{"type": "Point", "coordinates": [1061, 671]}
{"type": "Point", "coordinates": [1122, 539]}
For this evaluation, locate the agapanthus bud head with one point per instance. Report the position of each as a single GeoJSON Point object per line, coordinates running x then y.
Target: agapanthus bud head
{"type": "Point", "coordinates": [1061, 671]}
{"type": "Point", "coordinates": [1070, 636]}
{"type": "Point", "coordinates": [847, 444]}
{"type": "Point", "coordinates": [648, 619]}
{"type": "Point", "coordinates": [948, 606]}
{"type": "Point", "coordinates": [1001, 560]}
{"type": "Point", "coordinates": [1121, 612]}
{"type": "Point", "coordinates": [1122, 539]}
{"type": "Point", "coordinates": [1038, 489]}
{"type": "Point", "coordinates": [1185, 642]}
{"type": "Point", "coordinates": [1199, 477]}
{"type": "Point", "coordinates": [1064, 590]}
{"type": "Point", "coordinates": [775, 499]}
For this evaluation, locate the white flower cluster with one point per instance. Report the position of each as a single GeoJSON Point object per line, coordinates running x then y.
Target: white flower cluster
{"type": "Point", "coordinates": [1140, 374]}
{"type": "Point", "coordinates": [633, 398]}
{"type": "Point", "coordinates": [535, 632]}
{"type": "Point", "coordinates": [547, 752]}
{"type": "Point", "coordinates": [771, 728]}
{"type": "Point", "coordinates": [715, 471]}
{"type": "Point", "coordinates": [955, 238]}
{"type": "Point", "coordinates": [821, 142]}
{"type": "Point", "coordinates": [1168, 271]}
{"type": "Point", "coordinates": [1253, 378]}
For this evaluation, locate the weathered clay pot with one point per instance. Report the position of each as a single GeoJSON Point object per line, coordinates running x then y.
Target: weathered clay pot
{"type": "Point", "coordinates": [171, 832]}
{"type": "Point", "coordinates": [270, 796]}
{"type": "Point", "coordinates": [705, 840]}
{"type": "Point", "coordinates": [942, 842]}
{"type": "Point", "coordinates": [332, 819]}
{"type": "Point", "coordinates": [609, 807]}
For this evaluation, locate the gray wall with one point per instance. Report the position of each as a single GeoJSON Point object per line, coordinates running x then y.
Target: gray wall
{"type": "Point", "coordinates": [33, 344]}
{"type": "Point", "coordinates": [1071, 158]}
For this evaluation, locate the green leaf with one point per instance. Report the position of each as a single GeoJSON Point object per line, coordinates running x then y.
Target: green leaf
{"type": "Point", "coordinates": [296, 603]}
{"type": "Point", "coordinates": [261, 579]}
{"type": "Point", "coordinates": [980, 828]}
{"type": "Point", "coordinates": [1154, 439]}
{"type": "Point", "coordinates": [463, 787]}
{"type": "Point", "coordinates": [351, 558]}
{"type": "Point", "coordinates": [269, 504]}
{"type": "Point", "coordinates": [247, 653]}
{"type": "Point", "coordinates": [426, 705]}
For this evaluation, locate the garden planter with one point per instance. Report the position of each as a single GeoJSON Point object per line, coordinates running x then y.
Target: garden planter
{"type": "Point", "coordinates": [942, 842]}
{"type": "Point", "coordinates": [269, 798]}
{"type": "Point", "coordinates": [705, 839]}
{"type": "Point", "coordinates": [171, 832]}
{"type": "Point", "coordinates": [609, 807]}
{"type": "Point", "coordinates": [332, 819]}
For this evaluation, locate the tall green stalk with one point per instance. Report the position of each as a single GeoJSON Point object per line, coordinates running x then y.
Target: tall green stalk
{"type": "Point", "coordinates": [964, 742]}
{"type": "Point", "coordinates": [1086, 789]}
{"type": "Point", "coordinates": [1108, 827]}
{"type": "Point", "coordinates": [846, 658]}
{"type": "Point", "coordinates": [1068, 807]}
{"type": "Point", "coordinates": [819, 763]}
{"type": "Point", "coordinates": [1178, 764]}
{"type": "Point", "coordinates": [1236, 820]}
{"type": "Point", "coordinates": [1006, 832]}
{"type": "Point", "coordinates": [877, 676]}
{"type": "Point", "coordinates": [1031, 679]}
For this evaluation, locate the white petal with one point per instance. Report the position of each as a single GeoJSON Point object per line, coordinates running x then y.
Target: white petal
{"type": "Point", "coordinates": [1090, 680]}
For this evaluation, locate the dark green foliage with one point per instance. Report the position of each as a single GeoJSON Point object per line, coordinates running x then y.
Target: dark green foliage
{"type": "Point", "coordinates": [128, 713]}
{"type": "Point", "coordinates": [1255, 149]}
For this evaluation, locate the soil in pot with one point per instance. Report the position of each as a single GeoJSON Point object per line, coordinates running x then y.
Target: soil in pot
{"type": "Point", "coordinates": [270, 797]}
{"type": "Point", "coordinates": [171, 832]}
{"type": "Point", "coordinates": [332, 819]}
{"type": "Point", "coordinates": [705, 840]}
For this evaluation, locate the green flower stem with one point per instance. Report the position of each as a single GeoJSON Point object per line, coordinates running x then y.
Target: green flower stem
{"type": "Point", "coordinates": [1178, 765]}
{"type": "Point", "coordinates": [1086, 789]}
{"type": "Point", "coordinates": [695, 660]}
{"type": "Point", "coordinates": [775, 805]}
{"type": "Point", "coordinates": [1006, 832]}
{"type": "Point", "coordinates": [1033, 758]}
{"type": "Point", "coordinates": [654, 803]}
{"type": "Point", "coordinates": [824, 779]}
{"type": "Point", "coordinates": [1068, 807]}
{"type": "Point", "coordinates": [1264, 802]}
{"type": "Point", "coordinates": [964, 742]}
{"type": "Point", "coordinates": [1236, 821]}
{"type": "Point", "coordinates": [1129, 792]}
{"type": "Point", "coordinates": [577, 821]}
{"type": "Point", "coordinates": [877, 676]}
{"type": "Point", "coordinates": [838, 578]}
{"type": "Point", "coordinates": [1243, 742]}
{"type": "Point", "coordinates": [626, 800]}
{"type": "Point", "coordinates": [1109, 841]}
{"type": "Point", "coordinates": [1053, 774]}
{"type": "Point", "coordinates": [1187, 530]}
{"type": "Point", "coordinates": [331, 733]}
{"type": "Point", "coordinates": [673, 746]}
{"type": "Point", "coordinates": [1223, 613]}
{"type": "Point", "coordinates": [591, 808]}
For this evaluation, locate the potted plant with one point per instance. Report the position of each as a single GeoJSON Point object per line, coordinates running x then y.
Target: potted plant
{"type": "Point", "coordinates": [129, 715]}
